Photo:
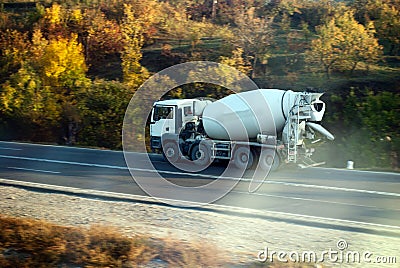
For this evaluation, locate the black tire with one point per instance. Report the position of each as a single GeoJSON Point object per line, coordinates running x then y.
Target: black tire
{"type": "Point", "coordinates": [200, 154]}
{"type": "Point", "coordinates": [171, 152]}
{"type": "Point", "coordinates": [269, 160]}
{"type": "Point", "coordinates": [243, 158]}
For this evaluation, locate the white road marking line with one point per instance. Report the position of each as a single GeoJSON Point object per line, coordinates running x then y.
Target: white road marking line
{"type": "Point", "coordinates": [61, 162]}
{"type": "Point", "coordinates": [36, 170]}
{"type": "Point", "coordinates": [358, 171]}
{"type": "Point", "coordinates": [333, 188]}
{"type": "Point", "coordinates": [206, 176]}
{"type": "Point", "coordinates": [189, 203]}
{"type": "Point", "coordinates": [114, 151]}
{"type": "Point", "coordinates": [59, 146]}
{"type": "Point", "coordinates": [307, 199]}
{"type": "Point", "coordinates": [9, 148]}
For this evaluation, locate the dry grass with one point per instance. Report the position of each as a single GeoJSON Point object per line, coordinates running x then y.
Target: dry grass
{"type": "Point", "coordinates": [34, 243]}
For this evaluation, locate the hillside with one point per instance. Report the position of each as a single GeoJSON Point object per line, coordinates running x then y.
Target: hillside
{"type": "Point", "coordinates": [69, 68]}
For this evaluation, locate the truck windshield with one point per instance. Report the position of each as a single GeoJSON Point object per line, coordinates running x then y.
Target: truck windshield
{"type": "Point", "coordinates": [163, 112]}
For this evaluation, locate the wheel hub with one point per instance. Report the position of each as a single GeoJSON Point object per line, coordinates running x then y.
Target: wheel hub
{"type": "Point", "coordinates": [170, 152]}
{"type": "Point", "coordinates": [200, 154]}
{"type": "Point", "coordinates": [244, 158]}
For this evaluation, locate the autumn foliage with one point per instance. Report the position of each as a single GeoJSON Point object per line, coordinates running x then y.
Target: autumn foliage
{"type": "Point", "coordinates": [68, 68]}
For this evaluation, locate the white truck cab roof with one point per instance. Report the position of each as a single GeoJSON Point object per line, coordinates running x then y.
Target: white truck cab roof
{"type": "Point", "coordinates": [177, 102]}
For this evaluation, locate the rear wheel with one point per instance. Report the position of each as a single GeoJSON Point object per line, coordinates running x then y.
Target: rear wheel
{"type": "Point", "coordinates": [201, 154]}
{"type": "Point", "coordinates": [269, 160]}
{"type": "Point", "coordinates": [243, 158]}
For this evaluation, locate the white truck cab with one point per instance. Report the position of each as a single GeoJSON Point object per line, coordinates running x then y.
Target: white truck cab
{"type": "Point", "coordinates": [169, 116]}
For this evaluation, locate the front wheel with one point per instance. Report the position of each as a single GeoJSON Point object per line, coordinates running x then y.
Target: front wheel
{"type": "Point", "coordinates": [171, 152]}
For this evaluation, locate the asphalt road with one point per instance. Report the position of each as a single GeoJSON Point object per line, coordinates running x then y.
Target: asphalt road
{"type": "Point", "coordinates": [348, 195]}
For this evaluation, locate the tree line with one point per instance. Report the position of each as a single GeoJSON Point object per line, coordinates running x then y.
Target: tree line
{"type": "Point", "coordinates": [69, 68]}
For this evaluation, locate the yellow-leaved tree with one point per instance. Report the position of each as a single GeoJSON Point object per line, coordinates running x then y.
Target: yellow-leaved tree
{"type": "Point", "coordinates": [237, 61]}
{"type": "Point", "coordinates": [343, 44]}
{"type": "Point", "coordinates": [389, 26]}
{"type": "Point", "coordinates": [40, 95]}
{"type": "Point", "coordinates": [255, 35]}
{"type": "Point", "coordinates": [385, 14]}
{"type": "Point", "coordinates": [60, 62]}
{"type": "Point", "coordinates": [132, 32]}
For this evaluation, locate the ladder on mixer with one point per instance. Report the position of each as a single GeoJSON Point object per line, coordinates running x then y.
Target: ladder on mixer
{"type": "Point", "coordinates": [299, 112]}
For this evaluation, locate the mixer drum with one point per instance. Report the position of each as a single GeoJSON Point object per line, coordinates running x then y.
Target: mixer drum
{"type": "Point", "coordinates": [244, 115]}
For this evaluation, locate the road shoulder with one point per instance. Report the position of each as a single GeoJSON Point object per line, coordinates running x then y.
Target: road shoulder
{"type": "Point", "coordinates": [240, 237]}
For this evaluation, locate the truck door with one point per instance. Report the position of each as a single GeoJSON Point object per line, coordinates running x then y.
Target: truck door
{"type": "Point", "coordinates": [163, 120]}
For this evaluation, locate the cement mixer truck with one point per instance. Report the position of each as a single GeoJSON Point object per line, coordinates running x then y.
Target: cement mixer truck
{"type": "Point", "coordinates": [266, 127]}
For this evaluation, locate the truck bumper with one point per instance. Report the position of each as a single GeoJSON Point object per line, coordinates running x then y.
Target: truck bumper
{"type": "Point", "coordinates": [155, 142]}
